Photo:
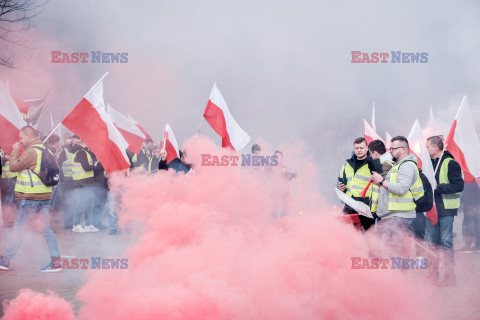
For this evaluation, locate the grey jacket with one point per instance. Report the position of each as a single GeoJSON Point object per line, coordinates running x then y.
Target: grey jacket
{"type": "Point", "coordinates": [406, 177]}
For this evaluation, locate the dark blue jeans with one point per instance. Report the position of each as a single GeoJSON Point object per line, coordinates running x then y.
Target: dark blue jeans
{"type": "Point", "coordinates": [27, 210]}
{"type": "Point", "coordinates": [441, 235]}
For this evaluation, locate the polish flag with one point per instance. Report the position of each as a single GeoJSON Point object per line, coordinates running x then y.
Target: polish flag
{"type": "Point", "coordinates": [11, 120]}
{"type": "Point", "coordinates": [417, 145]}
{"type": "Point", "coordinates": [370, 134]}
{"type": "Point", "coordinates": [388, 140]}
{"type": "Point", "coordinates": [139, 127]}
{"type": "Point", "coordinates": [128, 129]}
{"type": "Point", "coordinates": [462, 142]}
{"type": "Point", "coordinates": [219, 117]}
{"type": "Point", "coordinates": [419, 149]}
{"type": "Point", "coordinates": [170, 144]}
{"type": "Point", "coordinates": [90, 122]}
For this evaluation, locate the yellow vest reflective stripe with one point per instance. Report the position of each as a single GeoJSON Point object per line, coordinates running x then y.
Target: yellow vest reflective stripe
{"type": "Point", "coordinates": [77, 170]}
{"type": "Point", "coordinates": [405, 202]}
{"type": "Point", "coordinates": [150, 169]}
{"type": "Point", "coordinates": [29, 182]}
{"type": "Point", "coordinates": [67, 165]}
{"type": "Point", "coordinates": [376, 193]}
{"type": "Point", "coordinates": [450, 200]}
{"type": "Point", "coordinates": [6, 173]}
{"type": "Point", "coordinates": [356, 182]}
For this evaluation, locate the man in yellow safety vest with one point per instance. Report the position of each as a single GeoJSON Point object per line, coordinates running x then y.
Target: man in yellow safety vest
{"type": "Point", "coordinates": [34, 198]}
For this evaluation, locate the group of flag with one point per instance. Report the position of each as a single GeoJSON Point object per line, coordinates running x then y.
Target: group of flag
{"type": "Point", "coordinates": [109, 133]}
{"type": "Point", "coordinates": [462, 142]}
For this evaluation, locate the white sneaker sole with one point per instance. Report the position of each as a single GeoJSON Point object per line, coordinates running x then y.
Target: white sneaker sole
{"type": "Point", "coordinates": [52, 270]}
{"type": "Point", "coordinates": [4, 268]}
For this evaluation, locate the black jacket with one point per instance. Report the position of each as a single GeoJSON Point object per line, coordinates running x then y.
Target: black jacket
{"type": "Point", "coordinates": [456, 183]}
{"type": "Point", "coordinates": [176, 164]}
{"type": "Point", "coordinates": [373, 165]}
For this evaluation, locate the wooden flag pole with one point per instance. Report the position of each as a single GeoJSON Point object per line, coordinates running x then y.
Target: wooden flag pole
{"type": "Point", "coordinates": [201, 123]}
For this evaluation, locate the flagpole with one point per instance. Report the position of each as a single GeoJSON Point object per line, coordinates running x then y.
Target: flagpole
{"type": "Point", "coordinates": [96, 83]}
{"type": "Point", "coordinates": [69, 112]}
{"type": "Point", "coordinates": [201, 123]}
{"type": "Point", "coordinates": [52, 132]}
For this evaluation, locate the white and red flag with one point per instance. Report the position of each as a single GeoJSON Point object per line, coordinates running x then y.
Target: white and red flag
{"type": "Point", "coordinates": [90, 122]}
{"type": "Point", "coordinates": [139, 127]}
{"type": "Point", "coordinates": [419, 149]}
{"type": "Point", "coordinates": [170, 144]}
{"type": "Point", "coordinates": [369, 133]}
{"type": "Point", "coordinates": [128, 129]}
{"type": "Point", "coordinates": [388, 140]}
{"type": "Point", "coordinates": [219, 117]}
{"type": "Point", "coordinates": [462, 142]}
{"type": "Point", "coordinates": [11, 120]}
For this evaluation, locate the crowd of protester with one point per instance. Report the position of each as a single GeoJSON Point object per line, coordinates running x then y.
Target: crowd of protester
{"type": "Point", "coordinates": [81, 199]}
{"type": "Point", "coordinates": [397, 198]}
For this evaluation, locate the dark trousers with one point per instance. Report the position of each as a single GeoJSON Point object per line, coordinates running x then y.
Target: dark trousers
{"type": "Point", "coordinates": [99, 201]}
{"type": "Point", "coordinates": [471, 226]}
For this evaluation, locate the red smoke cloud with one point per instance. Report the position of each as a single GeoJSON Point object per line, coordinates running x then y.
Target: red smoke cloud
{"type": "Point", "coordinates": [211, 250]}
{"type": "Point", "coordinates": [31, 305]}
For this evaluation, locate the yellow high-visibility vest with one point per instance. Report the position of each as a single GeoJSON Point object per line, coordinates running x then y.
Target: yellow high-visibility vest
{"type": "Point", "coordinates": [405, 202]}
{"type": "Point", "coordinates": [28, 182]}
{"type": "Point", "coordinates": [450, 200]}
{"type": "Point", "coordinates": [77, 170]}
{"type": "Point", "coordinates": [356, 182]}
{"type": "Point", "coordinates": [6, 173]}
{"type": "Point", "coordinates": [67, 165]}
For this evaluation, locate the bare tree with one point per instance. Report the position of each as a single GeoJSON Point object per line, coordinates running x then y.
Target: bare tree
{"type": "Point", "coordinates": [15, 16]}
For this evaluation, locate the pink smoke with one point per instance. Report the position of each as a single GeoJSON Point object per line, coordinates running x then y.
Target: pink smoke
{"type": "Point", "coordinates": [210, 250]}
{"type": "Point", "coordinates": [29, 305]}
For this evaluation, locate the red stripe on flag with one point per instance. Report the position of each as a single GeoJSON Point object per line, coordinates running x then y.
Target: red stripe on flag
{"type": "Point", "coordinates": [368, 138]}
{"type": "Point", "coordinates": [214, 116]}
{"type": "Point", "coordinates": [458, 155]}
{"type": "Point", "coordinates": [8, 135]}
{"type": "Point", "coordinates": [432, 215]}
{"type": "Point", "coordinates": [87, 124]}
{"type": "Point", "coordinates": [171, 152]}
{"type": "Point", "coordinates": [135, 142]}
{"type": "Point", "coordinates": [419, 161]}
{"type": "Point", "coordinates": [147, 136]}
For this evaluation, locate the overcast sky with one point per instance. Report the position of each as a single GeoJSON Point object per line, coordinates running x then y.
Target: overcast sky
{"type": "Point", "coordinates": [284, 67]}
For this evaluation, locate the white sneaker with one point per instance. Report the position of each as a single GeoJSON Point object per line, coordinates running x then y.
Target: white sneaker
{"type": "Point", "coordinates": [90, 228]}
{"type": "Point", "coordinates": [78, 228]}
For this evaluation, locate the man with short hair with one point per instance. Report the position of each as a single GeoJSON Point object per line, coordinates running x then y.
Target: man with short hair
{"type": "Point", "coordinates": [379, 153]}
{"type": "Point", "coordinates": [34, 198]}
{"type": "Point", "coordinates": [398, 192]}
{"type": "Point", "coordinates": [448, 185]}
{"type": "Point", "coordinates": [354, 177]}
{"type": "Point", "coordinates": [256, 149]}
{"type": "Point", "coordinates": [142, 159]}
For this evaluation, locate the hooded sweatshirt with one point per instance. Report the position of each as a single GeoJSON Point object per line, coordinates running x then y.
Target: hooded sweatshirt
{"type": "Point", "coordinates": [406, 177]}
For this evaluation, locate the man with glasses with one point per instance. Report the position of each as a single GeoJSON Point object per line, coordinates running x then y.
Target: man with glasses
{"type": "Point", "coordinates": [398, 190]}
